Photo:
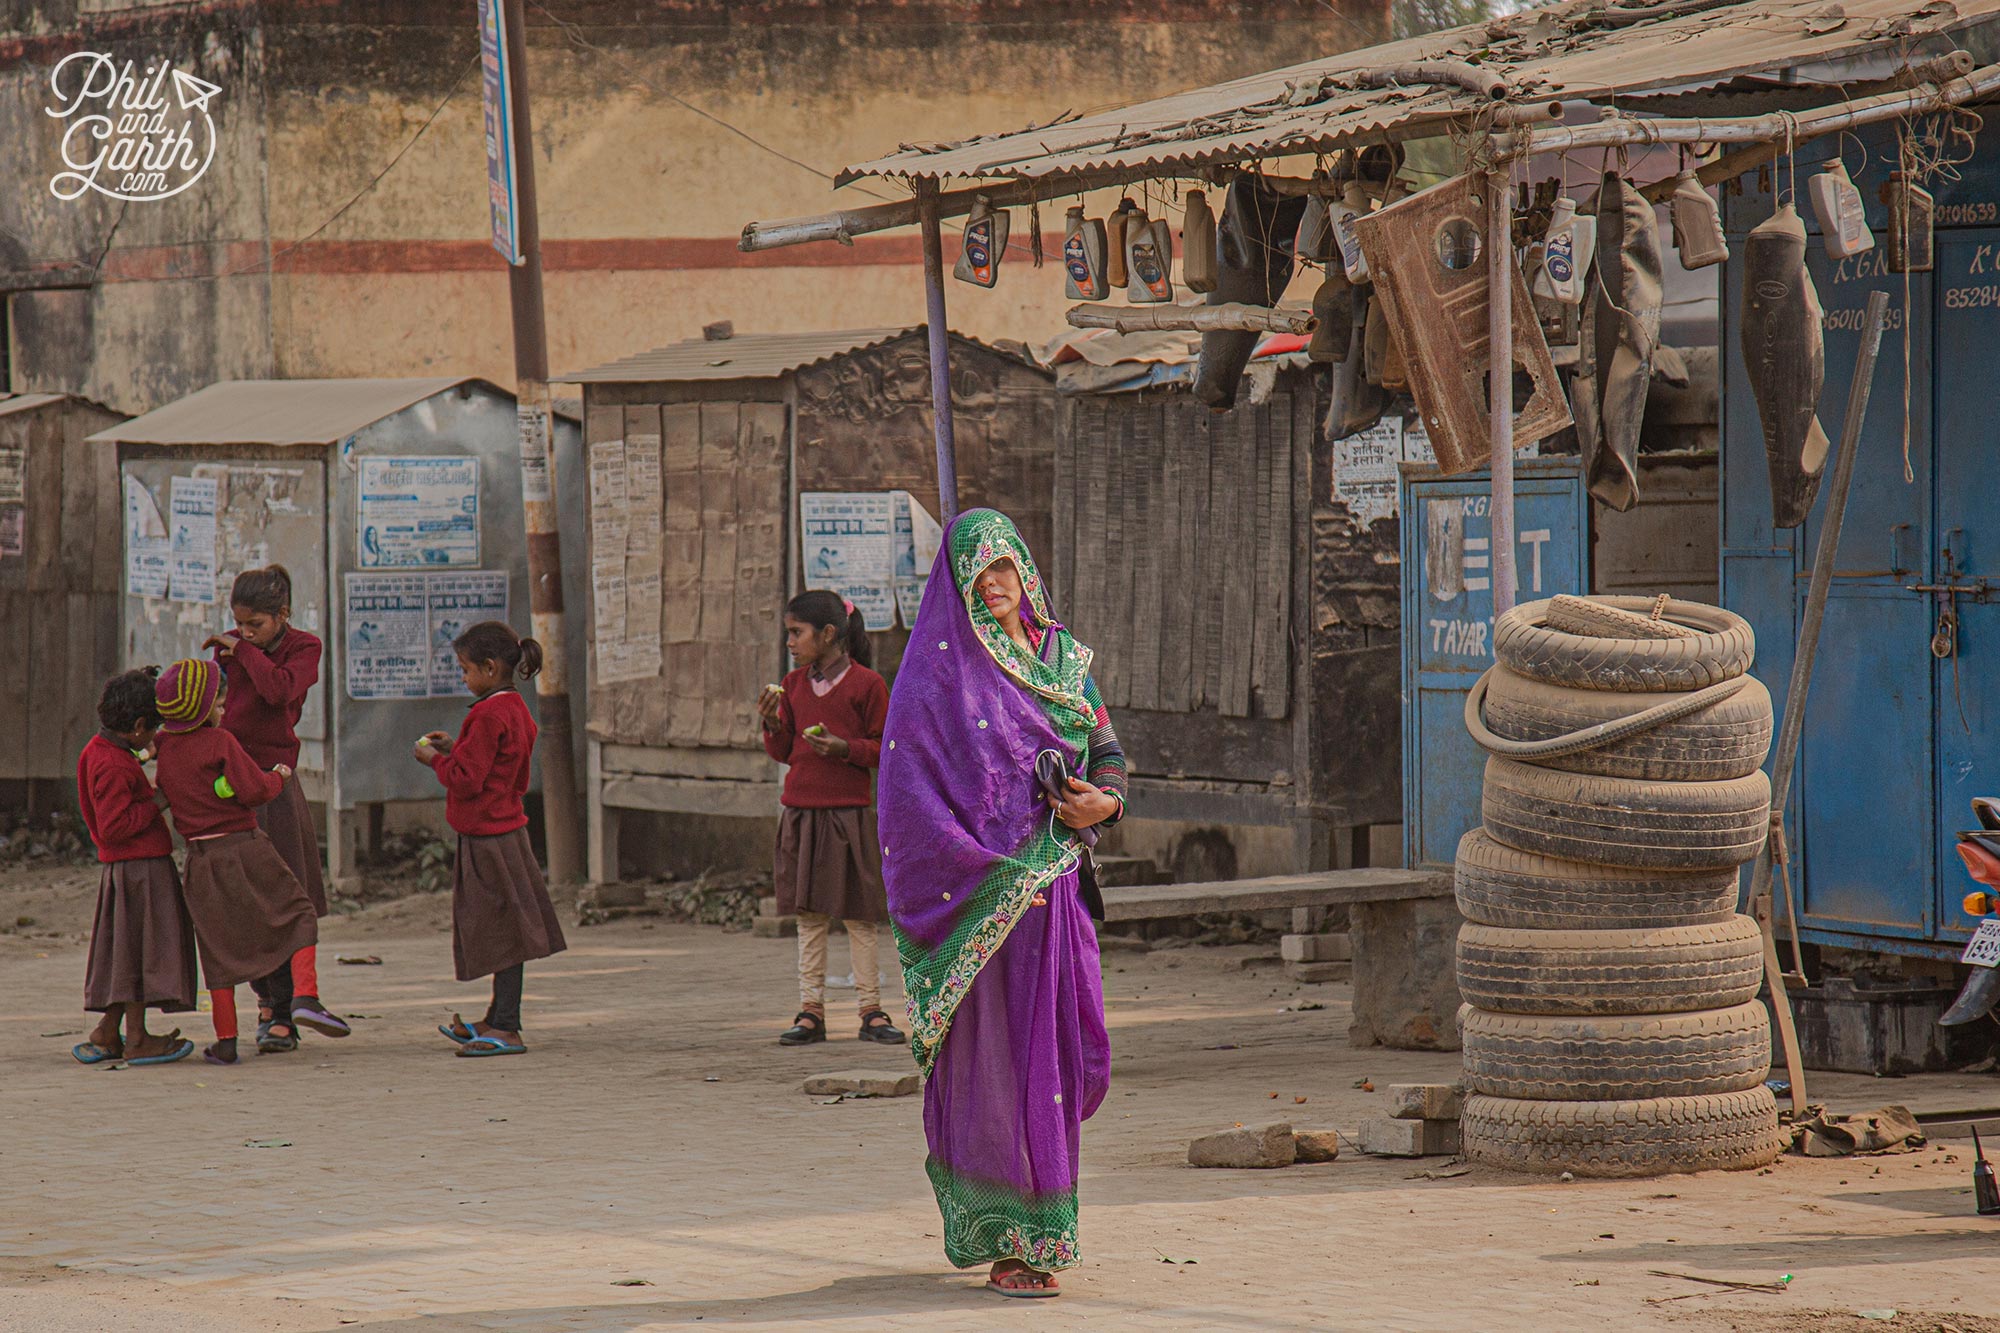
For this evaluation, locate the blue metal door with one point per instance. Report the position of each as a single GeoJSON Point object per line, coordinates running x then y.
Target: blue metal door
{"type": "Point", "coordinates": [1448, 626]}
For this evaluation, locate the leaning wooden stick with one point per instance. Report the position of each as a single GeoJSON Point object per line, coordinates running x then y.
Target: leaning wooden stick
{"type": "Point", "coordinates": [1232, 316]}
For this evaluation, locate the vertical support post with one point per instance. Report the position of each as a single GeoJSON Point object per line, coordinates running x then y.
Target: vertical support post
{"type": "Point", "coordinates": [561, 816]}
{"type": "Point", "coordinates": [940, 346]}
{"type": "Point", "coordinates": [1500, 373]}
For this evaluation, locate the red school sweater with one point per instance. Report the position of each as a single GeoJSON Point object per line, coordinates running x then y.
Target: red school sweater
{"type": "Point", "coordinates": [190, 762]}
{"type": "Point", "coordinates": [486, 773]}
{"type": "Point", "coordinates": [855, 710]}
{"type": "Point", "coordinates": [267, 693]}
{"type": "Point", "coordinates": [117, 800]}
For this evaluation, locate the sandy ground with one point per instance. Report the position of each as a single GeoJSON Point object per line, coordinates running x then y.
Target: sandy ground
{"type": "Point", "coordinates": [657, 1135]}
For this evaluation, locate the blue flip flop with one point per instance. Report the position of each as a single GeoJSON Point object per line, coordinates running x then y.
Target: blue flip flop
{"type": "Point", "coordinates": [179, 1052]}
{"type": "Point", "coordinates": [90, 1053]}
{"type": "Point", "coordinates": [445, 1031]}
{"type": "Point", "coordinates": [480, 1047]}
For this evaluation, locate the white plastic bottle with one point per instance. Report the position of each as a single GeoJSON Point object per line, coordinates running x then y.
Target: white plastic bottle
{"type": "Point", "coordinates": [1353, 204]}
{"type": "Point", "coordinates": [1843, 221]}
{"type": "Point", "coordinates": [1567, 251]}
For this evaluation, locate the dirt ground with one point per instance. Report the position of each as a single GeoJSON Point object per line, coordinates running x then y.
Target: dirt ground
{"type": "Point", "coordinates": [657, 1136]}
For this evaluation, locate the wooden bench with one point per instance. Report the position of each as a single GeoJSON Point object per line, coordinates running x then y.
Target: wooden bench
{"type": "Point", "coordinates": [1403, 926]}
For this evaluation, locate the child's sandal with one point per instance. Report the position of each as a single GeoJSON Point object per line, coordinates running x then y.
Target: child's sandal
{"type": "Point", "coordinates": [798, 1034]}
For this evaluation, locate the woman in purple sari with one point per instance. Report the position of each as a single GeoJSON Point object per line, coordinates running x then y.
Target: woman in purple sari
{"type": "Point", "coordinates": [999, 954]}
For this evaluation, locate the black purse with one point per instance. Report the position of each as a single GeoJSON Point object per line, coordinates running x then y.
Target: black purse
{"type": "Point", "coordinates": [1052, 773]}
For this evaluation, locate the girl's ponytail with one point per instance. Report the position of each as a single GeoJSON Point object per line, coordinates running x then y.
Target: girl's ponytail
{"type": "Point", "coordinates": [531, 659]}
{"type": "Point", "coordinates": [495, 641]}
{"type": "Point", "coordinates": [858, 646]}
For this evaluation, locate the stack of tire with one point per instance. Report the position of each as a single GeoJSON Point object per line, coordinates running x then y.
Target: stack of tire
{"type": "Point", "coordinates": [1611, 1025]}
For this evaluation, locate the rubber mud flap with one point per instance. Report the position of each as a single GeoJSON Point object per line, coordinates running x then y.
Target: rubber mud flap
{"type": "Point", "coordinates": [1254, 256]}
{"type": "Point", "coordinates": [1784, 358]}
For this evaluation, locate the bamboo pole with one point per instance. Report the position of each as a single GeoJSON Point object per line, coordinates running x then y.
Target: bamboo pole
{"type": "Point", "coordinates": [1231, 316]}
{"type": "Point", "coordinates": [1500, 379]}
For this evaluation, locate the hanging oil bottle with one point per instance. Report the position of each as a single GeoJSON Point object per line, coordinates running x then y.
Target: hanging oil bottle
{"type": "Point", "coordinates": [1697, 224]}
{"type": "Point", "coordinates": [1567, 251]}
{"type": "Point", "coordinates": [1912, 225]}
{"type": "Point", "coordinates": [1116, 228]}
{"type": "Point", "coordinates": [1149, 260]}
{"type": "Point", "coordinates": [1083, 257]}
{"type": "Point", "coordinates": [1843, 221]}
{"type": "Point", "coordinates": [1353, 204]}
{"type": "Point", "coordinates": [985, 244]}
{"type": "Point", "coordinates": [1316, 241]}
{"type": "Point", "coordinates": [1198, 269]}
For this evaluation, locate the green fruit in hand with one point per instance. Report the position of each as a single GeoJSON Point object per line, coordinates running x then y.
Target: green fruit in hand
{"type": "Point", "coordinates": [816, 729]}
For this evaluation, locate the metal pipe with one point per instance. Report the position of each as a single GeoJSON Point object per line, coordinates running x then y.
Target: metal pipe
{"type": "Point", "coordinates": [940, 348]}
{"type": "Point", "coordinates": [1500, 380]}
{"type": "Point", "coordinates": [562, 818]}
{"type": "Point", "coordinates": [1449, 73]}
{"type": "Point", "coordinates": [1793, 727]}
{"type": "Point", "coordinates": [1231, 315]}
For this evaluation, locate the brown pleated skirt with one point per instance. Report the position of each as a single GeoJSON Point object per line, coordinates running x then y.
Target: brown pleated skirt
{"type": "Point", "coordinates": [287, 821]}
{"type": "Point", "coordinates": [250, 914]}
{"type": "Point", "coordinates": [142, 943]}
{"type": "Point", "coordinates": [830, 862]}
{"type": "Point", "coordinates": [500, 909]}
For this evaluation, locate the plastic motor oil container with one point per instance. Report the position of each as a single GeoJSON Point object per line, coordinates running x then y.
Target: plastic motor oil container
{"type": "Point", "coordinates": [1198, 244]}
{"type": "Point", "coordinates": [1912, 223]}
{"type": "Point", "coordinates": [1567, 251]}
{"type": "Point", "coordinates": [1353, 204]}
{"type": "Point", "coordinates": [985, 244]}
{"type": "Point", "coordinates": [1697, 224]}
{"type": "Point", "coordinates": [1083, 257]}
{"type": "Point", "coordinates": [1149, 260]}
{"type": "Point", "coordinates": [1115, 228]}
{"type": "Point", "coordinates": [1843, 222]}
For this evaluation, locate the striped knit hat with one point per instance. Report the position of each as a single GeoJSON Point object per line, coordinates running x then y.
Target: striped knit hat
{"type": "Point", "coordinates": [186, 694]}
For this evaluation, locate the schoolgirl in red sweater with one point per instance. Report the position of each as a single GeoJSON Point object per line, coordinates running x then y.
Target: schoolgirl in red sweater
{"type": "Point", "coordinates": [501, 916]}
{"type": "Point", "coordinates": [268, 665]}
{"type": "Point", "coordinates": [251, 916]}
{"type": "Point", "coordinates": [825, 725]}
{"type": "Point", "coordinates": [142, 943]}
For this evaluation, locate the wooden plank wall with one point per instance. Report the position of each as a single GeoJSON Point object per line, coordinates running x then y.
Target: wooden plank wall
{"type": "Point", "coordinates": [724, 484]}
{"type": "Point", "coordinates": [59, 598]}
{"type": "Point", "coordinates": [1174, 535]}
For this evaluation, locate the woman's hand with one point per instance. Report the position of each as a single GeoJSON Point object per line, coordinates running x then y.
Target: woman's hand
{"type": "Point", "coordinates": [828, 744]}
{"type": "Point", "coordinates": [284, 771]}
{"type": "Point", "coordinates": [1084, 806]}
{"type": "Point", "coordinates": [770, 706]}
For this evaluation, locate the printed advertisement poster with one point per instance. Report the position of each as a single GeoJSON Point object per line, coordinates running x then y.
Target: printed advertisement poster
{"type": "Point", "coordinates": [848, 545]}
{"type": "Point", "coordinates": [1364, 470]}
{"type": "Point", "coordinates": [456, 602]}
{"type": "Point", "coordinates": [917, 538]}
{"type": "Point", "coordinates": [148, 548]}
{"type": "Point", "coordinates": [191, 521]}
{"type": "Point", "coordinates": [13, 476]}
{"type": "Point", "coordinates": [388, 636]}
{"type": "Point", "coordinates": [418, 512]}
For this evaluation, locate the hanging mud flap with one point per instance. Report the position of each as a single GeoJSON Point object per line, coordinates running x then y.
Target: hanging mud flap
{"type": "Point", "coordinates": [1259, 227]}
{"type": "Point", "coordinates": [1785, 357]}
{"type": "Point", "coordinates": [1357, 403]}
{"type": "Point", "coordinates": [1627, 330]}
{"type": "Point", "coordinates": [1427, 254]}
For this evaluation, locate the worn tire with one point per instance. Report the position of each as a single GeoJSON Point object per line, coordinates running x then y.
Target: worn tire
{"type": "Point", "coordinates": [1728, 739]}
{"type": "Point", "coordinates": [1625, 822]}
{"type": "Point", "coordinates": [1616, 1058]}
{"type": "Point", "coordinates": [1722, 651]}
{"type": "Point", "coordinates": [1498, 885]}
{"type": "Point", "coordinates": [1655, 1136]}
{"type": "Point", "coordinates": [1589, 973]}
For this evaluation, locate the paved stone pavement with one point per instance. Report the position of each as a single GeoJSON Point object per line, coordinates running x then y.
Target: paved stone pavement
{"type": "Point", "coordinates": [657, 1134]}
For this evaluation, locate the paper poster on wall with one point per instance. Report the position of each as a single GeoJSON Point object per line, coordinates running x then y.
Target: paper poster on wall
{"type": "Point", "coordinates": [13, 476]}
{"type": "Point", "coordinates": [848, 545]}
{"type": "Point", "coordinates": [455, 603]}
{"type": "Point", "coordinates": [13, 530]}
{"type": "Point", "coordinates": [1364, 470]}
{"type": "Point", "coordinates": [388, 636]}
{"type": "Point", "coordinates": [148, 548]}
{"type": "Point", "coordinates": [917, 538]}
{"type": "Point", "coordinates": [413, 513]}
{"type": "Point", "coordinates": [191, 525]}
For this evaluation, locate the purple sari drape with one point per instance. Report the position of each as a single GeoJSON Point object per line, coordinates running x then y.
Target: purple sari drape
{"type": "Point", "coordinates": [1006, 1007]}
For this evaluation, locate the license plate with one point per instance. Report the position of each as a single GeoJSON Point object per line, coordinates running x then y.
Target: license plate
{"type": "Point", "coordinates": [1984, 949]}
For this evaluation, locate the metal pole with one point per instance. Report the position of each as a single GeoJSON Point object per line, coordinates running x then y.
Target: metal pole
{"type": "Point", "coordinates": [1793, 727]}
{"type": "Point", "coordinates": [561, 818]}
{"type": "Point", "coordinates": [940, 345]}
{"type": "Point", "coordinates": [1500, 377]}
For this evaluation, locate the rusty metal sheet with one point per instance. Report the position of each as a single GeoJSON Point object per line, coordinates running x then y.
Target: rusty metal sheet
{"type": "Point", "coordinates": [751, 356]}
{"type": "Point", "coordinates": [278, 412]}
{"type": "Point", "coordinates": [1543, 52]}
{"type": "Point", "coordinates": [1430, 261]}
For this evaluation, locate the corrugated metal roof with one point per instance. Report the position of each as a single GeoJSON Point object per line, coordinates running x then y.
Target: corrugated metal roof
{"type": "Point", "coordinates": [26, 402]}
{"type": "Point", "coordinates": [1559, 51]}
{"type": "Point", "coordinates": [749, 356]}
{"type": "Point", "coordinates": [279, 412]}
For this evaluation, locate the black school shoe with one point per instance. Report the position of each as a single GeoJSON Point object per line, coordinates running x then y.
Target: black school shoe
{"type": "Point", "coordinates": [799, 1034]}
{"type": "Point", "coordinates": [884, 1032]}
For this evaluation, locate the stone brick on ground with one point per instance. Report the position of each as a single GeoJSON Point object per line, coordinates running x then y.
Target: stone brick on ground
{"type": "Point", "coordinates": [865, 1083]}
{"type": "Point", "coordinates": [1320, 972]}
{"type": "Point", "coordinates": [1409, 1138]}
{"type": "Point", "coordinates": [1426, 1101]}
{"type": "Point", "coordinates": [1317, 1145]}
{"type": "Point", "coordinates": [1250, 1146]}
{"type": "Point", "coordinates": [1331, 947]}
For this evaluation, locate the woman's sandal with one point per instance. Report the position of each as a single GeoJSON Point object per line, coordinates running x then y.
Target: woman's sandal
{"type": "Point", "coordinates": [90, 1053]}
{"type": "Point", "coordinates": [1024, 1283]}
{"type": "Point", "coordinates": [180, 1050]}
{"type": "Point", "coordinates": [458, 1031]}
{"type": "Point", "coordinates": [487, 1045]}
{"type": "Point", "coordinates": [798, 1034]}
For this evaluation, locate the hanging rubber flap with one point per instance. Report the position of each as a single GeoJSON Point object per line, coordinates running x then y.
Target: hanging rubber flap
{"type": "Point", "coordinates": [1626, 319]}
{"type": "Point", "coordinates": [1259, 227]}
{"type": "Point", "coordinates": [1333, 315]}
{"type": "Point", "coordinates": [1784, 354]}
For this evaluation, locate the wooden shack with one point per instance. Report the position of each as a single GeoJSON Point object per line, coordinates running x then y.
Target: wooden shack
{"type": "Point", "coordinates": [699, 452]}
{"type": "Point", "coordinates": [60, 575]}
{"type": "Point", "coordinates": [1246, 623]}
